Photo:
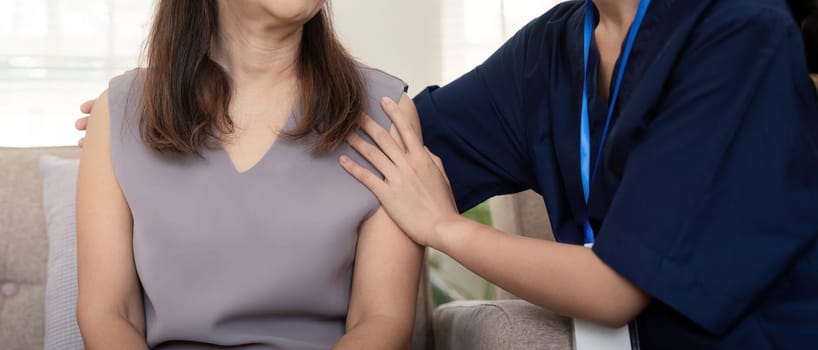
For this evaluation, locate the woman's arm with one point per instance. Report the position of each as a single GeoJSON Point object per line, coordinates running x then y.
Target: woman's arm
{"type": "Point", "coordinates": [567, 279]}
{"type": "Point", "coordinates": [109, 306]}
{"type": "Point", "coordinates": [384, 287]}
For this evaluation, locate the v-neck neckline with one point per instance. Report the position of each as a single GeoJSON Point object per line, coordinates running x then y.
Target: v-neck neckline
{"type": "Point", "coordinates": [232, 164]}
{"type": "Point", "coordinates": [277, 143]}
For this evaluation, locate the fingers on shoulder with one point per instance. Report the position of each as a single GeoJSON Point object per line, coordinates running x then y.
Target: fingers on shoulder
{"type": "Point", "coordinates": [410, 112]}
{"type": "Point", "coordinates": [405, 121]}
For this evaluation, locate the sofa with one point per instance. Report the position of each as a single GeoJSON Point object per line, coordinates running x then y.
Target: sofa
{"type": "Point", "coordinates": [467, 325]}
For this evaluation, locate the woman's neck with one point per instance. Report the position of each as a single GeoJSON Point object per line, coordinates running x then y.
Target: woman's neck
{"type": "Point", "coordinates": [616, 16]}
{"type": "Point", "coordinates": [255, 48]}
{"type": "Point", "coordinates": [615, 19]}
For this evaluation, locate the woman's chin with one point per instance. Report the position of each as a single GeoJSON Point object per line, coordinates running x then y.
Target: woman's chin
{"type": "Point", "coordinates": [284, 12]}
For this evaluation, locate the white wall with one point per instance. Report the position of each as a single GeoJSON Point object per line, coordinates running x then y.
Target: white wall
{"type": "Point", "coordinates": [397, 36]}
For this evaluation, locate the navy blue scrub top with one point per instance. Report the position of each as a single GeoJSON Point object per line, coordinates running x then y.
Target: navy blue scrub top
{"type": "Point", "coordinates": [707, 195]}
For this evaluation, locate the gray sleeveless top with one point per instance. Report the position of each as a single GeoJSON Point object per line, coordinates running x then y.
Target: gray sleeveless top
{"type": "Point", "coordinates": [254, 260]}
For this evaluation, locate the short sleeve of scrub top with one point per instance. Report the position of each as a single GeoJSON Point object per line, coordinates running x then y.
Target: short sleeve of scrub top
{"type": "Point", "coordinates": [477, 124]}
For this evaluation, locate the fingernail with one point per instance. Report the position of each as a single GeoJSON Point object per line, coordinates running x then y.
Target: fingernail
{"type": "Point", "coordinates": [344, 159]}
{"type": "Point", "coordinates": [387, 101]}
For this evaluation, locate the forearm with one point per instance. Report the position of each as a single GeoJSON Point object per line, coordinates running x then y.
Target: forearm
{"type": "Point", "coordinates": [111, 332]}
{"type": "Point", "coordinates": [567, 279]}
{"type": "Point", "coordinates": [377, 333]}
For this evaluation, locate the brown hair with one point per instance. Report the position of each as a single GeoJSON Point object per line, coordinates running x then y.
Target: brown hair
{"type": "Point", "coordinates": [187, 94]}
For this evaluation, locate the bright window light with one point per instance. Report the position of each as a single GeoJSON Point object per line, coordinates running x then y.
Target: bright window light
{"type": "Point", "coordinates": [56, 54]}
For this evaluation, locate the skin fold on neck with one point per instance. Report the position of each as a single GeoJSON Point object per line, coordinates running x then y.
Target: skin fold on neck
{"type": "Point", "coordinates": [255, 48]}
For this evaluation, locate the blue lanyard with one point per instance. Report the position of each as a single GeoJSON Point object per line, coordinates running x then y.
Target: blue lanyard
{"type": "Point", "coordinates": [585, 133]}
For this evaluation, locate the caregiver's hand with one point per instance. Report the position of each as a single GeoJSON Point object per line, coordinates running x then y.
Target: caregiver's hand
{"type": "Point", "coordinates": [415, 191]}
{"type": "Point", "coordinates": [82, 123]}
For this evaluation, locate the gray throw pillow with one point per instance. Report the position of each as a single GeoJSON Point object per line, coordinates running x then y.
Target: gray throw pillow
{"type": "Point", "coordinates": [59, 196]}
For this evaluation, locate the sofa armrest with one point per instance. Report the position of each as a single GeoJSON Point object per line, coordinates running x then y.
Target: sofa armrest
{"type": "Point", "coordinates": [499, 324]}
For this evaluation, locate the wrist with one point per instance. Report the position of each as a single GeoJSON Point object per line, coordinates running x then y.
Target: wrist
{"type": "Point", "coordinates": [448, 233]}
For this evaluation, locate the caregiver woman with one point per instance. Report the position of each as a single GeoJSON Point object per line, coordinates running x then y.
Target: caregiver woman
{"type": "Point", "coordinates": [678, 138]}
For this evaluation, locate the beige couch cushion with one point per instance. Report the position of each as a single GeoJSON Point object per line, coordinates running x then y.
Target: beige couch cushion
{"type": "Point", "coordinates": [23, 247]}
{"type": "Point", "coordinates": [499, 324]}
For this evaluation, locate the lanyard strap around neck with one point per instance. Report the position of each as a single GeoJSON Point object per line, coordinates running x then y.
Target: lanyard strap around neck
{"type": "Point", "coordinates": [585, 133]}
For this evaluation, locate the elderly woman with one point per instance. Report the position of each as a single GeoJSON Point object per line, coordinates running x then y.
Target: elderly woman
{"type": "Point", "coordinates": [211, 209]}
